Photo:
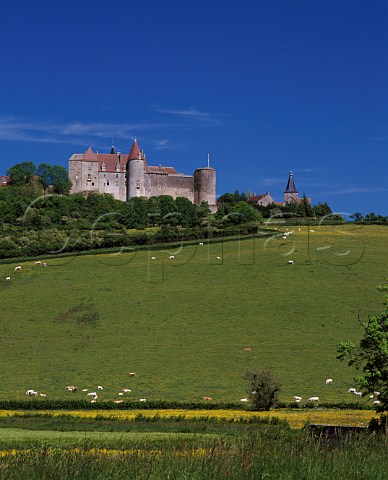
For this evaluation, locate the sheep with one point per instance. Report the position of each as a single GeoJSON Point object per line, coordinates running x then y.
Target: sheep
{"type": "Point", "coordinates": [290, 262]}
{"type": "Point", "coordinates": [118, 401]}
{"type": "Point", "coordinates": [201, 244]}
{"type": "Point", "coordinates": [329, 381]}
{"type": "Point", "coordinates": [352, 390]}
{"type": "Point", "coordinates": [359, 394]}
{"type": "Point", "coordinates": [92, 394]}
{"type": "Point", "coordinates": [171, 257]}
{"type": "Point", "coordinates": [153, 258]}
{"type": "Point", "coordinates": [7, 279]}
{"type": "Point", "coordinates": [142, 400]}
{"type": "Point", "coordinates": [132, 374]}
{"type": "Point", "coordinates": [100, 387]}
{"type": "Point", "coordinates": [71, 389]}
{"type": "Point", "coordinates": [84, 389]}
{"type": "Point", "coordinates": [120, 394]}
{"type": "Point", "coordinates": [244, 400]}
{"type": "Point", "coordinates": [284, 237]}
{"type": "Point", "coordinates": [207, 398]}
{"type": "Point", "coordinates": [18, 268]}
{"type": "Point", "coordinates": [218, 258]}
{"type": "Point", "coordinates": [127, 390]}
{"type": "Point", "coordinates": [312, 231]}
{"type": "Point", "coordinates": [93, 401]}
{"type": "Point", "coordinates": [31, 393]}
{"type": "Point", "coordinates": [38, 263]}
{"type": "Point", "coordinates": [314, 399]}
{"type": "Point", "coordinates": [376, 393]}
{"type": "Point", "coordinates": [376, 402]}
{"type": "Point", "coordinates": [45, 264]}
{"type": "Point", "coordinates": [297, 398]}
{"type": "Point", "coordinates": [43, 395]}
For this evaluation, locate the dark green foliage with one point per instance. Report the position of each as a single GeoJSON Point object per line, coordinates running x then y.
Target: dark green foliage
{"type": "Point", "coordinates": [264, 388]}
{"type": "Point", "coordinates": [21, 173]}
{"type": "Point", "coordinates": [371, 355]}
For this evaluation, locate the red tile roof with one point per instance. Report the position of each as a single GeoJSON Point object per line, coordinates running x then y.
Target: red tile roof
{"type": "Point", "coordinates": [134, 154]}
{"type": "Point", "coordinates": [90, 155]}
{"type": "Point", "coordinates": [4, 179]}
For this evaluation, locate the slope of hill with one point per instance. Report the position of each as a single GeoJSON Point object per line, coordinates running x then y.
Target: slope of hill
{"type": "Point", "coordinates": [191, 326]}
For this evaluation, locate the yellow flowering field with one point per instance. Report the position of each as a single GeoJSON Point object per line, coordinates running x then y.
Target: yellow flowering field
{"type": "Point", "coordinates": [295, 418]}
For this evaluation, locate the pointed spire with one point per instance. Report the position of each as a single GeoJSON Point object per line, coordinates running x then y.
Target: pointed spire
{"type": "Point", "coordinates": [134, 154]}
{"type": "Point", "coordinates": [112, 150]}
{"type": "Point", "coordinates": [291, 184]}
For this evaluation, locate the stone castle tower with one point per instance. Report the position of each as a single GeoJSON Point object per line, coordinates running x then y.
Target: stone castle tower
{"type": "Point", "coordinates": [127, 176]}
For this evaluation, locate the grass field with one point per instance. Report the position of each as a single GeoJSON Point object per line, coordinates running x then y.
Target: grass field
{"type": "Point", "coordinates": [183, 324]}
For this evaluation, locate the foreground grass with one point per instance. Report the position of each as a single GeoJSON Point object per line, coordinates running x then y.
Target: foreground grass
{"type": "Point", "coordinates": [273, 453]}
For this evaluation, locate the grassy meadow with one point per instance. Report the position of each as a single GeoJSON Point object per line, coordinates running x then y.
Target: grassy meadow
{"type": "Point", "coordinates": [190, 327]}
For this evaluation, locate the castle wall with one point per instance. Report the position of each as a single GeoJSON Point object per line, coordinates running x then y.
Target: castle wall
{"type": "Point", "coordinates": [174, 185]}
{"type": "Point", "coordinates": [113, 184]}
{"type": "Point", "coordinates": [84, 176]}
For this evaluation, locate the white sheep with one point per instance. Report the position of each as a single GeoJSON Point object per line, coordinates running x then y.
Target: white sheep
{"type": "Point", "coordinates": [171, 257]}
{"type": "Point", "coordinates": [18, 268]}
{"type": "Point", "coordinates": [290, 262]}
{"type": "Point", "coordinates": [329, 381]}
{"type": "Point", "coordinates": [8, 279]}
{"type": "Point", "coordinates": [201, 244]}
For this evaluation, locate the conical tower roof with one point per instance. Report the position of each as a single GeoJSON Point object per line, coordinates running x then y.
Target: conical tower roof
{"type": "Point", "coordinates": [291, 184]}
{"type": "Point", "coordinates": [134, 154]}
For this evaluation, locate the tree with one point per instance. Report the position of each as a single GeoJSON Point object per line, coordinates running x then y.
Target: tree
{"type": "Point", "coordinates": [21, 173]}
{"type": "Point", "coordinates": [371, 355]}
{"type": "Point", "coordinates": [264, 388]}
{"type": "Point", "coordinates": [60, 180]}
{"type": "Point", "coordinates": [45, 175]}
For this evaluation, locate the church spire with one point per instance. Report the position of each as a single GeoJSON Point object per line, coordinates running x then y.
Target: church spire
{"type": "Point", "coordinates": [291, 184]}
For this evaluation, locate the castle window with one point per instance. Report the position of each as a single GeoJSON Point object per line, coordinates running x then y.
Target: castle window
{"type": "Point", "coordinates": [89, 177]}
{"type": "Point", "coordinates": [103, 167]}
{"type": "Point", "coordinates": [117, 175]}
{"type": "Point", "coordinates": [118, 167]}
{"type": "Point", "coordinates": [138, 184]}
{"type": "Point", "coordinates": [92, 184]}
{"type": "Point", "coordinates": [107, 182]}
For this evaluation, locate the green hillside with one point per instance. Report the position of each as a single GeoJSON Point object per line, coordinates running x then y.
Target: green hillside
{"type": "Point", "coordinates": [183, 324]}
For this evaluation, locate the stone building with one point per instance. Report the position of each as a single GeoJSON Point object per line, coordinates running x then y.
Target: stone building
{"type": "Point", "coordinates": [290, 196]}
{"type": "Point", "coordinates": [127, 176]}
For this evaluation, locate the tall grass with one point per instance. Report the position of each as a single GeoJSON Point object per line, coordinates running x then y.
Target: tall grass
{"type": "Point", "coordinates": [272, 453]}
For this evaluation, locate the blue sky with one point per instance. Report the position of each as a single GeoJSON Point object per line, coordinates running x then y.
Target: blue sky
{"type": "Point", "coordinates": [263, 86]}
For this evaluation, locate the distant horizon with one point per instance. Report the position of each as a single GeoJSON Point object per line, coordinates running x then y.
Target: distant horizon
{"type": "Point", "coordinates": [263, 87]}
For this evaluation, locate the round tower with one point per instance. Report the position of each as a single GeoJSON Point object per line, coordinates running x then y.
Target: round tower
{"type": "Point", "coordinates": [135, 172]}
{"type": "Point", "coordinates": [205, 187]}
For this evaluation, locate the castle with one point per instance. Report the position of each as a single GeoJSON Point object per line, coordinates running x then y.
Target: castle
{"type": "Point", "coordinates": [290, 196]}
{"type": "Point", "coordinates": [128, 176]}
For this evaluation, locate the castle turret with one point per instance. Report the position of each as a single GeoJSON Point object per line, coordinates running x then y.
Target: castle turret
{"type": "Point", "coordinates": [135, 172]}
{"type": "Point", "coordinates": [205, 187]}
{"type": "Point", "coordinates": [290, 192]}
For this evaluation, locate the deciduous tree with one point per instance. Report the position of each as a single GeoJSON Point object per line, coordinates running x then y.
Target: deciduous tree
{"type": "Point", "coordinates": [264, 388]}
{"type": "Point", "coordinates": [371, 356]}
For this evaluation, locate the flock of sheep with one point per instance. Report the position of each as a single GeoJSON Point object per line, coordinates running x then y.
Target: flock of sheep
{"type": "Point", "coordinates": [92, 395]}
{"type": "Point", "coordinates": [329, 381]}
{"type": "Point", "coordinates": [19, 268]}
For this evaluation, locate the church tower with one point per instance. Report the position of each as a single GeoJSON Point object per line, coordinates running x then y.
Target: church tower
{"type": "Point", "coordinates": [135, 172]}
{"type": "Point", "coordinates": [291, 193]}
